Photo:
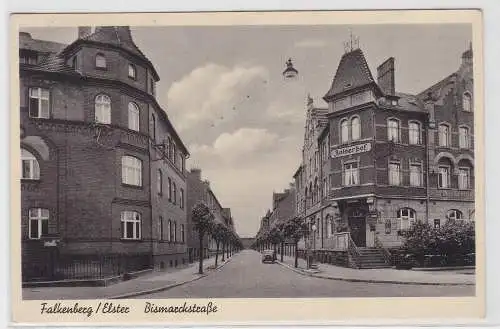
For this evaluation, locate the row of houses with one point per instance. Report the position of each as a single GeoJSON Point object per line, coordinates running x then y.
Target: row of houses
{"type": "Point", "coordinates": [103, 170]}
{"type": "Point", "coordinates": [375, 161]}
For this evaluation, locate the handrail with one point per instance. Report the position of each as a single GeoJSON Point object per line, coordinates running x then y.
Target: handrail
{"type": "Point", "coordinates": [354, 252]}
{"type": "Point", "coordinates": [385, 252]}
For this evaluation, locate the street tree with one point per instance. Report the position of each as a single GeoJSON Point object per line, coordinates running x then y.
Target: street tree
{"type": "Point", "coordinates": [275, 237]}
{"type": "Point", "coordinates": [219, 233]}
{"type": "Point", "coordinates": [203, 220]}
{"type": "Point", "coordinates": [295, 229]}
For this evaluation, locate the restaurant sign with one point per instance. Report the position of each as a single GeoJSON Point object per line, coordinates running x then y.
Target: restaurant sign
{"type": "Point", "coordinates": [350, 150]}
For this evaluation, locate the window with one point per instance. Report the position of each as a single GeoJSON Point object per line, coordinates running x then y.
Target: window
{"type": "Point", "coordinates": [355, 128]}
{"type": "Point", "coordinates": [444, 135]}
{"type": "Point", "coordinates": [131, 171]}
{"type": "Point", "coordinates": [463, 178]}
{"type": "Point", "coordinates": [463, 137]}
{"type": "Point", "coordinates": [467, 102]}
{"type": "Point", "coordinates": [454, 214]}
{"type": "Point", "coordinates": [174, 198]}
{"type": "Point", "coordinates": [159, 182]}
{"type": "Point", "coordinates": [132, 71]}
{"type": "Point", "coordinates": [74, 63]}
{"type": "Point", "coordinates": [344, 131]}
{"type": "Point", "coordinates": [393, 130]}
{"type": "Point", "coordinates": [160, 224]}
{"type": "Point", "coordinates": [131, 225]}
{"type": "Point", "coordinates": [183, 163]}
{"type": "Point", "coordinates": [169, 189]}
{"type": "Point", "coordinates": [415, 174]}
{"type": "Point", "coordinates": [167, 147]}
{"type": "Point", "coordinates": [437, 223]}
{"type": "Point", "coordinates": [406, 217]}
{"type": "Point", "coordinates": [174, 154]}
{"type": "Point", "coordinates": [175, 231]}
{"type": "Point", "coordinates": [414, 133]}
{"type": "Point", "coordinates": [30, 168]}
{"type": "Point", "coordinates": [171, 228]}
{"type": "Point", "coordinates": [133, 116]}
{"type": "Point", "coordinates": [183, 236]}
{"type": "Point", "coordinates": [181, 201]}
{"type": "Point", "coordinates": [153, 127]}
{"type": "Point", "coordinates": [38, 223]}
{"type": "Point", "coordinates": [444, 177]}
{"type": "Point", "coordinates": [100, 61]}
{"type": "Point", "coordinates": [169, 233]}
{"type": "Point", "coordinates": [394, 173]}
{"type": "Point", "coordinates": [152, 86]}
{"type": "Point", "coordinates": [103, 109]}
{"type": "Point", "coordinates": [39, 103]}
{"type": "Point", "coordinates": [388, 226]}
{"type": "Point", "coordinates": [351, 174]}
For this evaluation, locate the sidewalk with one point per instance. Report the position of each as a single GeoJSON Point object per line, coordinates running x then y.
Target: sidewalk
{"type": "Point", "coordinates": [382, 275]}
{"type": "Point", "coordinates": [151, 282]}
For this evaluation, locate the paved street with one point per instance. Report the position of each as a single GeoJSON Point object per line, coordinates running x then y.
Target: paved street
{"type": "Point", "coordinates": [246, 277]}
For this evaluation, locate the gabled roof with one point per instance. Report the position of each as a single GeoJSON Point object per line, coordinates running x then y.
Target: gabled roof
{"type": "Point", "coordinates": [116, 36]}
{"type": "Point", "coordinates": [352, 72]}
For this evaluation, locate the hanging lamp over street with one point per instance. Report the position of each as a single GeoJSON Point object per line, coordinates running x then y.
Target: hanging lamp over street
{"type": "Point", "coordinates": [290, 72]}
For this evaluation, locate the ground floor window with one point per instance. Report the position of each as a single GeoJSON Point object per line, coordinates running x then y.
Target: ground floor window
{"type": "Point", "coordinates": [454, 214]}
{"type": "Point", "coordinates": [406, 217]}
{"type": "Point", "coordinates": [131, 225]}
{"type": "Point", "coordinates": [38, 223]}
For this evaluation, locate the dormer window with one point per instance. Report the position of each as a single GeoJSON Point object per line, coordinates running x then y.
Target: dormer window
{"type": "Point", "coordinates": [132, 71]}
{"type": "Point", "coordinates": [100, 61]}
{"type": "Point", "coordinates": [74, 63]}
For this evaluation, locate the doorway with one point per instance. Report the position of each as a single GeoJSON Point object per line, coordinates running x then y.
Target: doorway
{"type": "Point", "coordinates": [357, 226]}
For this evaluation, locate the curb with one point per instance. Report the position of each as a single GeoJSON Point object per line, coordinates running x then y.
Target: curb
{"type": "Point", "coordinates": [375, 281]}
{"type": "Point", "coordinates": [160, 289]}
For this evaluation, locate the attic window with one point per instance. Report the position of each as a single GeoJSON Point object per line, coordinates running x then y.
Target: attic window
{"type": "Point", "coordinates": [100, 61]}
{"type": "Point", "coordinates": [132, 71]}
{"type": "Point", "coordinates": [394, 102]}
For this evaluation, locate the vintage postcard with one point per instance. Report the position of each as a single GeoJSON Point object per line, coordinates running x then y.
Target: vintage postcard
{"type": "Point", "coordinates": [247, 167]}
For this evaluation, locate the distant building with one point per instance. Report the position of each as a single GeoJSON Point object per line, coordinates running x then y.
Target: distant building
{"type": "Point", "coordinates": [103, 180]}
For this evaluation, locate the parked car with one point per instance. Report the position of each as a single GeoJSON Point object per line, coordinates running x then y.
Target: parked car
{"type": "Point", "coordinates": [268, 256]}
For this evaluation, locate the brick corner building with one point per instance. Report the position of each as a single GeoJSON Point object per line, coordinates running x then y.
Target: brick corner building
{"type": "Point", "coordinates": [103, 169]}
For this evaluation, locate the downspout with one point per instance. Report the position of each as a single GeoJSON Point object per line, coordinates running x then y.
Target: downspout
{"type": "Point", "coordinates": [427, 201]}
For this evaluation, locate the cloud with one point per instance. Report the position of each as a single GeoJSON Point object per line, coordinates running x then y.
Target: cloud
{"type": "Point", "coordinates": [280, 110]}
{"type": "Point", "coordinates": [208, 92]}
{"type": "Point", "coordinates": [311, 43]}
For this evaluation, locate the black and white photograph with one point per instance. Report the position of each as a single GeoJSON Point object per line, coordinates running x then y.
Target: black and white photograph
{"type": "Point", "coordinates": [162, 162]}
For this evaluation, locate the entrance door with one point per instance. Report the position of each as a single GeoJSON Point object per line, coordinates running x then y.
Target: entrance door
{"type": "Point", "coordinates": [357, 226]}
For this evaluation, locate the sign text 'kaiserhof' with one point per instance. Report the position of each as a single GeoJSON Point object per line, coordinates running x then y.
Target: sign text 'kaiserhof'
{"type": "Point", "coordinates": [350, 150]}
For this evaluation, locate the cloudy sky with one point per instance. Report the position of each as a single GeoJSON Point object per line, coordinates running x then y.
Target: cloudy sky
{"type": "Point", "coordinates": [242, 122]}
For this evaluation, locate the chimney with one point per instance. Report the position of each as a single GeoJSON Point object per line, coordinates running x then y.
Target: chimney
{"type": "Point", "coordinates": [196, 173]}
{"type": "Point", "coordinates": [84, 31]}
{"type": "Point", "coordinates": [385, 77]}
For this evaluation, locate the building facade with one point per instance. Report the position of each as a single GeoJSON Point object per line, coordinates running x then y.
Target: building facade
{"type": "Point", "coordinates": [377, 160]}
{"type": "Point", "coordinates": [97, 151]}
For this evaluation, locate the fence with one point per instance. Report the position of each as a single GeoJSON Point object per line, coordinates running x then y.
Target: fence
{"type": "Point", "coordinates": [85, 267]}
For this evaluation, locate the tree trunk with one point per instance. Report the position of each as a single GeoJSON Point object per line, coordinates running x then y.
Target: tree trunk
{"type": "Point", "coordinates": [223, 251]}
{"type": "Point", "coordinates": [296, 255]}
{"type": "Point", "coordinates": [227, 250]}
{"type": "Point", "coordinates": [216, 254]}
{"type": "Point", "coordinates": [282, 250]}
{"type": "Point", "coordinates": [200, 269]}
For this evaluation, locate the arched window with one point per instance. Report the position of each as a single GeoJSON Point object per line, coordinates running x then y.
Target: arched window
{"type": "Point", "coordinates": [175, 231]}
{"type": "Point", "coordinates": [393, 130]}
{"type": "Point", "coordinates": [174, 198]}
{"type": "Point", "coordinates": [131, 225]}
{"type": "Point", "coordinates": [30, 169]}
{"type": "Point", "coordinates": [133, 116]}
{"type": "Point", "coordinates": [355, 128]}
{"type": "Point", "coordinates": [169, 189]}
{"type": "Point", "coordinates": [414, 133]}
{"type": "Point", "coordinates": [467, 102]}
{"type": "Point", "coordinates": [463, 137]}
{"type": "Point", "coordinates": [444, 135]}
{"type": "Point", "coordinates": [406, 218]}
{"type": "Point", "coordinates": [131, 170]}
{"type": "Point", "coordinates": [465, 169]}
{"type": "Point", "coordinates": [445, 167]}
{"type": "Point", "coordinates": [170, 233]}
{"type": "Point", "coordinates": [454, 214]}
{"type": "Point", "coordinates": [159, 182]}
{"type": "Point", "coordinates": [100, 61]}
{"type": "Point", "coordinates": [103, 109]}
{"type": "Point", "coordinates": [132, 71]}
{"type": "Point", "coordinates": [344, 131]}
